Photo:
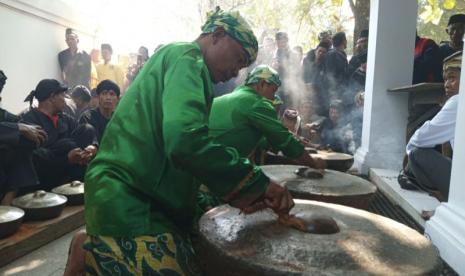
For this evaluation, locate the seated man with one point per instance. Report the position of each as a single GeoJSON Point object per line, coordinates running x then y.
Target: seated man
{"type": "Point", "coordinates": [69, 147]}
{"type": "Point", "coordinates": [429, 169]}
{"type": "Point", "coordinates": [108, 93]}
{"type": "Point", "coordinates": [17, 141]}
{"type": "Point", "coordinates": [333, 130]}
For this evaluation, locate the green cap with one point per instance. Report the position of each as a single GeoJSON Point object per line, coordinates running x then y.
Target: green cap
{"type": "Point", "coordinates": [263, 72]}
{"type": "Point", "coordinates": [235, 26]}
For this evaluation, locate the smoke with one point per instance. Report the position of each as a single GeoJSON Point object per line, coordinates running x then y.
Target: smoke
{"type": "Point", "coordinates": [342, 97]}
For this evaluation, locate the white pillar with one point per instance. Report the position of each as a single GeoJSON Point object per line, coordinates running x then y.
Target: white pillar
{"type": "Point", "coordinates": [390, 64]}
{"type": "Point", "coordinates": [447, 227]}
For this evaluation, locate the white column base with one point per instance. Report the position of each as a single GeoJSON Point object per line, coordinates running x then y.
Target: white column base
{"type": "Point", "coordinates": [446, 229]}
{"type": "Point", "coordinates": [360, 161]}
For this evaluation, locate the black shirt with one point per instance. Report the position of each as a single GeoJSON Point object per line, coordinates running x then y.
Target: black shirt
{"type": "Point", "coordinates": [59, 139]}
{"type": "Point", "coordinates": [336, 72]}
{"type": "Point", "coordinates": [76, 68]}
{"type": "Point", "coordinates": [96, 119]}
{"type": "Point", "coordinates": [446, 50]}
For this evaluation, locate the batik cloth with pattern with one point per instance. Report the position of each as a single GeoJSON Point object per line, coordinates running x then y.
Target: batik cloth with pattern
{"type": "Point", "coordinates": [163, 254]}
{"type": "Point", "coordinates": [235, 26]}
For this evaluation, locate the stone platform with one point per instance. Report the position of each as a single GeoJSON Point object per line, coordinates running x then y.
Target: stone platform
{"type": "Point", "coordinates": [32, 235]}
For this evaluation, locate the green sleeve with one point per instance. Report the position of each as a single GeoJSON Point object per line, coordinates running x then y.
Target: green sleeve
{"type": "Point", "coordinates": [263, 117]}
{"type": "Point", "coordinates": [186, 99]}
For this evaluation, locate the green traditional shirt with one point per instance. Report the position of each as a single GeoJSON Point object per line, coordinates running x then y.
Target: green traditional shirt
{"type": "Point", "coordinates": [242, 118]}
{"type": "Point", "coordinates": [155, 147]}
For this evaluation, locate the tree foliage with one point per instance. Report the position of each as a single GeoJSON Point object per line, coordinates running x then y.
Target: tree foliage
{"type": "Point", "coordinates": [433, 16]}
{"type": "Point", "coordinates": [304, 19]}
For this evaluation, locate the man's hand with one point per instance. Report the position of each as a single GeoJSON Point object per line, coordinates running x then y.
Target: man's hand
{"type": "Point", "coordinates": [276, 198]}
{"type": "Point", "coordinates": [319, 163]}
{"type": "Point", "coordinates": [306, 160]}
{"type": "Point", "coordinates": [34, 133]}
{"type": "Point", "coordinates": [89, 153]}
{"type": "Point", "coordinates": [75, 156]}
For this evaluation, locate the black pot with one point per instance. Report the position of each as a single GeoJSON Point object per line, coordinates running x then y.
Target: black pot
{"type": "Point", "coordinates": [41, 205]}
{"type": "Point", "coordinates": [10, 220]}
{"type": "Point", "coordinates": [74, 191]}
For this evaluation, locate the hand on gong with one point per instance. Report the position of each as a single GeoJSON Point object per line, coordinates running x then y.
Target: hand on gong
{"type": "Point", "coordinates": [276, 198]}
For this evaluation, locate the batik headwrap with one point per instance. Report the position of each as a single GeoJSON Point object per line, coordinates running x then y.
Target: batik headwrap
{"type": "Point", "coordinates": [263, 72]}
{"type": "Point", "coordinates": [277, 100]}
{"type": "Point", "coordinates": [235, 26]}
{"type": "Point", "coordinates": [453, 61]}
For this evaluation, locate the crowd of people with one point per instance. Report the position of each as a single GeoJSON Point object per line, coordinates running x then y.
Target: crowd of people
{"type": "Point", "coordinates": [144, 168]}
{"type": "Point", "coordinates": [322, 90]}
{"type": "Point", "coordinates": [53, 141]}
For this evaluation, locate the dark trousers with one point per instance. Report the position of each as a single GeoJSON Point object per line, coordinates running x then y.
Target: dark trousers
{"type": "Point", "coordinates": [52, 173]}
{"type": "Point", "coordinates": [16, 169]}
{"type": "Point", "coordinates": [431, 169]}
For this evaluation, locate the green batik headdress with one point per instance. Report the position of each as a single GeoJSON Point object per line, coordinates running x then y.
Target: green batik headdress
{"type": "Point", "coordinates": [277, 100]}
{"type": "Point", "coordinates": [235, 26]}
{"type": "Point", "coordinates": [263, 72]}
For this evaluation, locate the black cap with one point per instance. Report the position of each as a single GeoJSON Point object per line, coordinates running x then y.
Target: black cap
{"type": "Point", "coordinates": [107, 85]}
{"type": "Point", "coordinates": [456, 18]}
{"type": "Point", "coordinates": [46, 88]}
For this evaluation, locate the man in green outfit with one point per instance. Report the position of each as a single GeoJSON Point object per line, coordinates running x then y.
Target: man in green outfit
{"type": "Point", "coordinates": [244, 117]}
{"type": "Point", "coordinates": [141, 188]}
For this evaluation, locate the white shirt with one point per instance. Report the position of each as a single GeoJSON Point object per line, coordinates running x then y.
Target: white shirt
{"type": "Point", "coordinates": [439, 130]}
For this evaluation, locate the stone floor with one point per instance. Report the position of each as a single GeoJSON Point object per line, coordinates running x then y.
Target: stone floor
{"type": "Point", "coordinates": [48, 260]}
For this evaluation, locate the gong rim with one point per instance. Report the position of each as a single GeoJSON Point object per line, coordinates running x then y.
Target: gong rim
{"type": "Point", "coordinates": [272, 249]}
{"type": "Point", "coordinates": [333, 184]}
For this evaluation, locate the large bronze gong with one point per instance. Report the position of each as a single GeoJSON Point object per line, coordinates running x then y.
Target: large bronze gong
{"type": "Point", "coordinates": [334, 187]}
{"type": "Point", "coordinates": [232, 243]}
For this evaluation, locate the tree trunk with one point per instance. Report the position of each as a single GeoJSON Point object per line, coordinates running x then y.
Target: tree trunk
{"type": "Point", "coordinates": [361, 11]}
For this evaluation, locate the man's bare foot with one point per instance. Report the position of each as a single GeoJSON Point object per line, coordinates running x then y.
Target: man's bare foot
{"type": "Point", "coordinates": [426, 215]}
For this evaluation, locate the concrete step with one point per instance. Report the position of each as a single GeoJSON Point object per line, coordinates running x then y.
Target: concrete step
{"type": "Point", "coordinates": [412, 202]}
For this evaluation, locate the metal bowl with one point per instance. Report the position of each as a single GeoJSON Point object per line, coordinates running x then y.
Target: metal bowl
{"type": "Point", "coordinates": [335, 160]}
{"type": "Point", "coordinates": [41, 205]}
{"type": "Point", "coordinates": [74, 191]}
{"type": "Point", "coordinates": [10, 220]}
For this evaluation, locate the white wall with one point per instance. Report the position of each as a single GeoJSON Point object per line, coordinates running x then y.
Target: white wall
{"type": "Point", "coordinates": [31, 37]}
